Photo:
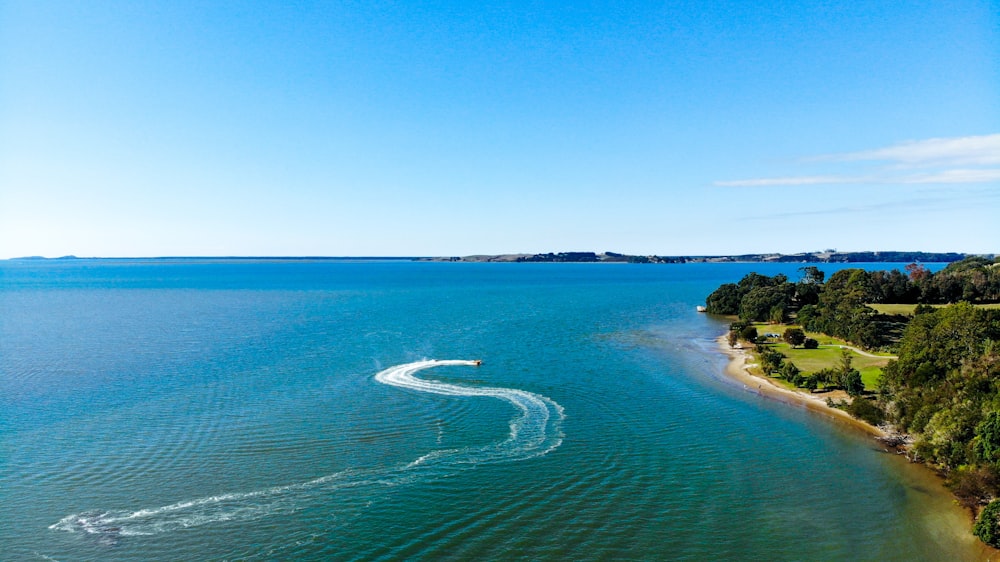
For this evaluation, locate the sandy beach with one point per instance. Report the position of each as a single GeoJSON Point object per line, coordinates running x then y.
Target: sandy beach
{"type": "Point", "coordinates": [737, 369]}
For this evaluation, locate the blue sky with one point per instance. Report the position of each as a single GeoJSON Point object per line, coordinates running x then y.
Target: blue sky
{"type": "Point", "coordinates": [433, 128]}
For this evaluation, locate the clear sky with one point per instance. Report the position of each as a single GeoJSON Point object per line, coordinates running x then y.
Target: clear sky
{"type": "Point", "coordinates": [433, 128]}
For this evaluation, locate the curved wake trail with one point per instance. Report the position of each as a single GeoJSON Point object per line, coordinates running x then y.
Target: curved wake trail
{"type": "Point", "coordinates": [533, 432]}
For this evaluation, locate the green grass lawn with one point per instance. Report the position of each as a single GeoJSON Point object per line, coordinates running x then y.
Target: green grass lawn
{"type": "Point", "coordinates": [823, 339]}
{"type": "Point", "coordinates": [907, 309]}
{"type": "Point", "coordinates": [827, 355]}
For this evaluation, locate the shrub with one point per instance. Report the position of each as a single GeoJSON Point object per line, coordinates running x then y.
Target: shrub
{"type": "Point", "coordinates": [987, 524]}
{"type": "Point", "coordinates": [973, 485]}
{"type": "Point", "coordinates": [866, 410]}
{"type": "Point", "coordinates": [790, 372]}
{"type": "Point", "coordinates": [810, 343]}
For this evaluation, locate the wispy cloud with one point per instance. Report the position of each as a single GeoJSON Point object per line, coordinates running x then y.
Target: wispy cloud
{"type": "Point", "coordinates": [955, 176]}
{"type": "Point", "coordinates": [930, 161]}
{"type": "Point", "coordinates": [792, 180]}
{"type": "Point", "coordinates": [981, 150]}
{"type": "Point", "coordinates": [934, 199]}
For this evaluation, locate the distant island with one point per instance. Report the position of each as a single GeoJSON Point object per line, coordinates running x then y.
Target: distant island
{"type": "Point", "coordinates": [826, 256]}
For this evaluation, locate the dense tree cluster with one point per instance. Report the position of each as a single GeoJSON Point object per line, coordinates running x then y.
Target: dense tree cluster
{"type": "Point", "coordinates": [760, 298]}
{"type": "Point", "coordinates": [944, 387]}
{"type": "Point", "coordinates": [945, 390]}
{"type": "Point", "coordinates": [838, 306]}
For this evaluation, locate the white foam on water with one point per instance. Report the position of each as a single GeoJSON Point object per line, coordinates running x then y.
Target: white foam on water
{"type": "Point", "coordinates": [535, 431]}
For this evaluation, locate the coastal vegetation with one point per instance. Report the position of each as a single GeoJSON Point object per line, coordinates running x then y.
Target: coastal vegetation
{"type": "Point", "coordinates": [940, 392]}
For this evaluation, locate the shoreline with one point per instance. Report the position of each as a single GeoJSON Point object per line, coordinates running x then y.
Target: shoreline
{"type": "Point", "coordinates": [737, 370]}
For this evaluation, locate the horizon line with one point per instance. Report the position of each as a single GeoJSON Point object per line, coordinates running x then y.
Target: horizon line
{"type": "Point", "coordinates": [445, 256]}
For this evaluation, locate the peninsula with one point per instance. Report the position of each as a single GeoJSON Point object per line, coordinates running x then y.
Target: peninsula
{"type": "Point", "coordinates": [928, 379]}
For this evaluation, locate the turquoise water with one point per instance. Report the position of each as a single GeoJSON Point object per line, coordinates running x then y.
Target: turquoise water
{"type": "Point", "coordinates": [206, 410]}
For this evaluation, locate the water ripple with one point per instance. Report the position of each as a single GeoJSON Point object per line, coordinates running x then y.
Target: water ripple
{"type": "Point", "coordinates": [535, 431]}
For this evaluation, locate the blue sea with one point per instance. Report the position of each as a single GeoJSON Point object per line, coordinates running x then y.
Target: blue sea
{"type": "Point", "coordinates": [332, 410]}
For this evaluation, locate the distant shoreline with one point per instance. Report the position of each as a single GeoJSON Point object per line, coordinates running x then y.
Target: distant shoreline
{"type": "Point", "coordinates": [828, 256]}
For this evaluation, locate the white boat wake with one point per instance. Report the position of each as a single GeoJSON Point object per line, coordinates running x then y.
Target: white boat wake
{"type": "Point", "coordinates": [534, 431]}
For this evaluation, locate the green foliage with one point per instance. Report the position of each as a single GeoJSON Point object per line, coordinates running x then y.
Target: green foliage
{"type": "Point", "coordinates": [974, 279]}
{"type": "Point", "coordinates": [739, 325]}
{"type": "Point", "coordinates": [795, 337]}
{"type": "Point", "coordinates": [771, 360]}
{"type": "Point", "coordinates": [937, 342]}
{"type": "Point", "coordinates": [847, 377]}
{"type": "Point", "coordinates": [987, 526]}
{"type": "Point", "coordinates": [987, 441]}
{"type": "Point", "coordinates": [757, 304]}
{"type": "Point", "coordinates": [812, 275]}
{"type": "Point", "coordinates": [749, 334]}
{"type": "Point", "coordinates": [841, 311]}
{"type": "Point", "coordinates": [777, 315]}
{"type": "Point", "coordinates": [790, 372]}
{"type": "Point", "coordinates": [808, 315]}
{"type": "Point", "coordinates": [944, 388]}
{"type": "Point", "coordinates": [825, 376]}
{"type": "Point", "coordinates": [852, 383]}
{"type": "Point", "coordinates": [753, 298]}
{"type": "Point", "coordinates": [974, 485]}
{"type": "Point", "coordinates": [866, 410]}
{"type": "Point", "coordinates": [724, 300]}
{"type": "Point", "coordinates": [846, 362]}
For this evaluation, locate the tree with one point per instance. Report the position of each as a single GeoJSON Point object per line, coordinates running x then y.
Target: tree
{"type": "Point", "coordinates": [848, 377]}
{"type": "Point", "coordinates": [825, 376]}
{"type": "Point", "coordinates": [794, 337]}
{"type": "Point", "coordinates": [846, 361]}
{"type": "Point", "coordinates": [758, 303]}
{"type": "Point", "coordinates": [811, 274]}
{"type": "Point", "coordinates": [988, 524]}
{"type": "Point", "coordinates": [810, 343]}
{"type": "Point", "coordinates": [777, 315]}
{"type": "Point", "coordinates": [749, 333]}
{"type": "Point", "coordinates": [771, 360]}
{"type": "Point", "coordinates": [917, 272]}
{"type": "Point", "coordinates": [987, 441]}
{"type": "Point", "coordinates": [789, 371]}
{"type": "Point", "coordinates": [852, 383]}
{"type": "Point", "coordinates": [724, 300]}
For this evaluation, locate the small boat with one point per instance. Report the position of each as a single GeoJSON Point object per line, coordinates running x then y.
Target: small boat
{"type": "Point", "coordinates": [700, 308]}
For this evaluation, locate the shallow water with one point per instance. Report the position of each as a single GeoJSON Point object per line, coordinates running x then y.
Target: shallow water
{"type": "Point", "coordinates": [202, 409]}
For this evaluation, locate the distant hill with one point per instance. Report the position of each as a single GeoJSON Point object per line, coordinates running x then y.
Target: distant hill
{"type": "Point", "coordinates": [828, 256]}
